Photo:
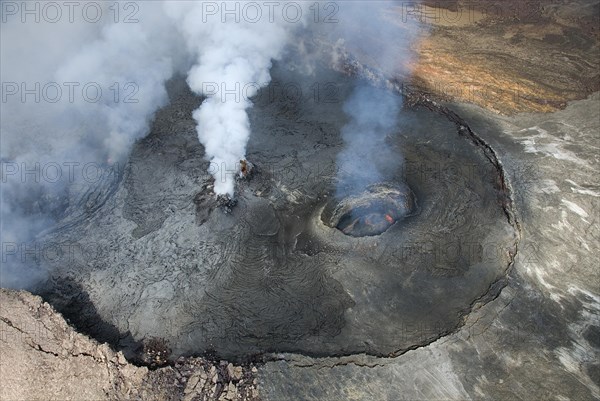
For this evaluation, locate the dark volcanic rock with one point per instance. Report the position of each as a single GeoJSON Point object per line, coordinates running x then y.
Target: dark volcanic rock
{"type": "Point", "coordinates": [269, 276]}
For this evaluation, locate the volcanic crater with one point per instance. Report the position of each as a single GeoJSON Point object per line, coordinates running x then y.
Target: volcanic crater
{"type": "Point", "coordinates": [294, 267]}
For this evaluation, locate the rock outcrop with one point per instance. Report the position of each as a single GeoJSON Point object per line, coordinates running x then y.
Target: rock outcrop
{"type": "Point", "coordinates": [43, 358]}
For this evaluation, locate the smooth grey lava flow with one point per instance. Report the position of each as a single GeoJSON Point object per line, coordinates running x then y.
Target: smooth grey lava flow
{"type": "Point", "coordinates": [158, 258]}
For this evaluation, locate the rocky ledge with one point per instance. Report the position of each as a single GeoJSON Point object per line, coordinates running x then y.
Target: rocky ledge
{"type": "Point", "coordinates": [43, 357]}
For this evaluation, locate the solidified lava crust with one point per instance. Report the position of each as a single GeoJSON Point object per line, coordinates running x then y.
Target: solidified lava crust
{"type": "Point", "coordinates": [278, 274]}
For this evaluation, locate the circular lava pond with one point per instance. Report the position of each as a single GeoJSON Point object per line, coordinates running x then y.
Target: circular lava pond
{"type": "Point", "coordinates": [372, 211]}
{"type": "Point", "coordinates": [292, 268]}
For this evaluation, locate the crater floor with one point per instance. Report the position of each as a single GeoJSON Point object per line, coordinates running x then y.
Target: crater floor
{"type": "Point", "coordinates": [270, 276]}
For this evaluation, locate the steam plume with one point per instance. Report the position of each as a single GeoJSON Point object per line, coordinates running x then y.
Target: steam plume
{"type": "Point", "coordinates": [366, 158]}
{"type": "Point", "coordinates": [218, 56]}
{"type": "Point", "coordinates": [138, 57]}
{"type": "Point", "coordinates": [233, 59]}
{"type": "Point", "coordinates": [373, 112]}
{"type": "Point", "coordinates": [64, 127]}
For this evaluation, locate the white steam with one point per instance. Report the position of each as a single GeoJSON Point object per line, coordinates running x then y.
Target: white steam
{"type": "Point", "coordinates": [373, 113]}
{"type": "Point", "coordinates": [76, 91]}
{"type": "Point", "coordinates": [366, 158]}
{"type": "Point", "coordinates": [52, 113]}
{"type": "Point", "coordinates": [128, 56]}
{"type": "Point", "coordinates": [233, 58]}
